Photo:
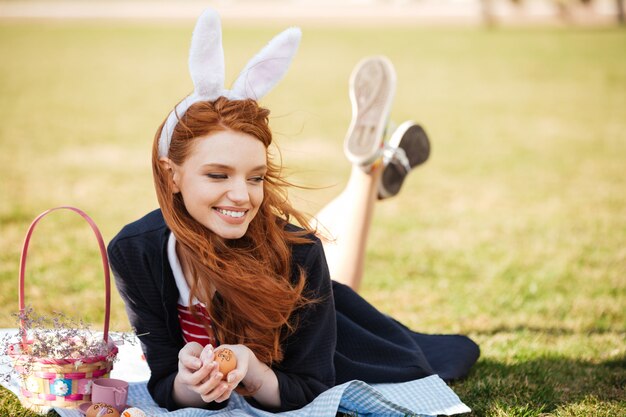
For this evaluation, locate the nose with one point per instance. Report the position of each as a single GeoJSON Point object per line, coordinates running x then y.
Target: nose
{"type": "Point", "coordinates": [238, 192]}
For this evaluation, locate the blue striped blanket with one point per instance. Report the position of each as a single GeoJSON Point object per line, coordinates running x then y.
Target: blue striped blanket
{"type": "Point", "coordinates": [423, 397]}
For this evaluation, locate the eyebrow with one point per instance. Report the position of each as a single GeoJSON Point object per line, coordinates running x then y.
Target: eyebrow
{"type": "Point", "coordinates": [228, 167]}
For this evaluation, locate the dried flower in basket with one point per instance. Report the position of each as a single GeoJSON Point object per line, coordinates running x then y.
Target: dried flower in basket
{"type": "Point", "coordinates": [56, 339]}
{"type": "Point", "coordinates": [56, 358]}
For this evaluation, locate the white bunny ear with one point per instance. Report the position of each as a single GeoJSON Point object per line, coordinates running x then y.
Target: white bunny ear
{"type": "Point", "coordinates": [206, 65]}
{"type": "Point", "coordinates": [267, 67]}
{"type": "Point", "coordinates": [206, 56]}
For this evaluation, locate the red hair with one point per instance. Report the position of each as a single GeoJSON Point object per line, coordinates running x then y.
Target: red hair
{"type": "Point", "coordinates": [255, 296]}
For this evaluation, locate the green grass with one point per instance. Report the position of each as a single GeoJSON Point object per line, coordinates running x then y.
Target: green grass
{"type": "Point", "coordinates": [514, 232]}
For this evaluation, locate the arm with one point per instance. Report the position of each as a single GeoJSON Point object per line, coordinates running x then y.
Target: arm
{"type": "Point", "coordinates": [259, 378]}
{"type": "Point", "coordinates": [133, 270]}
{"type": "Point", "coordinates": [199, 381]}
{"type": "Point", "coordinates": [307, 368]}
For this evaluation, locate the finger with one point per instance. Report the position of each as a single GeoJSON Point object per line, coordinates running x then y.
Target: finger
{"type": "Point", "coordinates": [232, 380]}
{"type": "Point", "coordinates": [191, 348]}
{"type": "Point", "coordinates": [207, 353]}
{"type": "Point", "coordinates": [210, 383]}
{"type": "Point", "coordinates": [192, 363]}
{"type": "Point", "coordinates": [217, 392]}
{"type": "Point", "coordinates": [234, 377]}
{"type": "Point", "coordinates": [224, 396]}
{"type": "Point", "coordinates": [189, 355]}
{"type": "Point", "coordinates": [194, 378]}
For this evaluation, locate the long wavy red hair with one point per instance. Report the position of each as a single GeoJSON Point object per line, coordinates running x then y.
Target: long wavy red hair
{"type": "Point", "coordinates": [254, 293]}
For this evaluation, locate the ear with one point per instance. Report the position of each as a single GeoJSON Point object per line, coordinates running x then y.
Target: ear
{"type": "Point", "coordinates": [267, 67]}
{"type": "Point", "coordinates": [206, 56]}
{"type": "Point", "coordinates": [171, 171]}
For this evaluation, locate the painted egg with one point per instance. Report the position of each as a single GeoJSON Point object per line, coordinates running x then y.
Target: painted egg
{"type": "Point", "coordinates": [226, 360]}
{"type": "Point", "coordinates": [102, 410]}
{"type": "Point", "coordinates": [134, 412]}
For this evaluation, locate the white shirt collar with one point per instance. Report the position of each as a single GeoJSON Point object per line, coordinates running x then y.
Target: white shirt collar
{"type": "Point", "coordinates": [179, 276]}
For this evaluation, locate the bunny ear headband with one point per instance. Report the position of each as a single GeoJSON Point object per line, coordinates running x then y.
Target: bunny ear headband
{"type": "Point", "coordinates": [206, 65]}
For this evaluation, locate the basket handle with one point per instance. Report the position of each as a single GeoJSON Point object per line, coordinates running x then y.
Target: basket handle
{"type": "Point", "coordinates": [105, 265]}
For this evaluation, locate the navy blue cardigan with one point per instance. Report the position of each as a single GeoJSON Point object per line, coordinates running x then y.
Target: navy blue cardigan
{"type": "Point", "coordinates": [338, 339]}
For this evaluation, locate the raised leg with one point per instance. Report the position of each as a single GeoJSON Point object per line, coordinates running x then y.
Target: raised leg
{"type": "Point", "coordinates": [346, 221]}
{"type": "Point", "coordinates": [378, 169]}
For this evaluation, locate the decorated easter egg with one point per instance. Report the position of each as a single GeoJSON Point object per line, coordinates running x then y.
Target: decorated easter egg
{"type": "Point", "coordinates": [226, 360]}
{"type": "Point", "coordinates": [134, 412]}
{"type": "Point", "coordinates": [102, 410]}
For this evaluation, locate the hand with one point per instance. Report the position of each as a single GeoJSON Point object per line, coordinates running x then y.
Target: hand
{"type": "Point", "coordinates": [198, 372]}
{"type": "Point", "coordinates": [257, 378]}
{"type": "Point", "coordinates": [234, 377]}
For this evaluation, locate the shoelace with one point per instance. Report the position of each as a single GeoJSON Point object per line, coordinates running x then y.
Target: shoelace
{"type": "Point", "coordinates": [396, 155]}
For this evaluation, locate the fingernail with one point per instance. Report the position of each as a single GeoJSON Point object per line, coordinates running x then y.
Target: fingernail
{"type": "Point", "coordinates": [230, 378]}
{"type": "Point", "coordinates": [218, 376]}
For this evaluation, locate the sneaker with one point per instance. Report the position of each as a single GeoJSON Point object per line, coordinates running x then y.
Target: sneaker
{"type": "Point", "coordinates": [372, 88]}
{"type": "Point", "coordinates": [408, 147]}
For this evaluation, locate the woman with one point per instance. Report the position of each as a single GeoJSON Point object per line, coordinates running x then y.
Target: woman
{"type": "Point", "coordinates": [220, 264]}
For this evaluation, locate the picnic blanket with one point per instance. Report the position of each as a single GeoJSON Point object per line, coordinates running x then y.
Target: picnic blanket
{"type": "Point", "coordinates": [423, 397]}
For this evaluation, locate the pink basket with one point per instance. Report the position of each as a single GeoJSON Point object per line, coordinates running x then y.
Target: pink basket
{"type": "Point", "coordinates": [50, 382]}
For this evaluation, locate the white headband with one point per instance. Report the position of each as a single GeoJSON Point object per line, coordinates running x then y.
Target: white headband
{"type": "Point", "coordinates": [206, 65]}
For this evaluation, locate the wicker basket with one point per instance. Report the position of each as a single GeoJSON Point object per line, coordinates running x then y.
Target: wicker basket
{"type": "Point", "coordinates": [49, 382]}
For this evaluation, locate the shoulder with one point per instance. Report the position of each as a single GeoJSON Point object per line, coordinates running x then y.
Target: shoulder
{"type": "Point", "coordinates": [138, 256]}
{"type": "Point", "coordinates": [311, 247]}
{"type": "Point", "coordinates": [308, 257]}
{"type": "Point", "coordinates": [151, 223]}
{"type": "Point", "coordinates": [148, 231]}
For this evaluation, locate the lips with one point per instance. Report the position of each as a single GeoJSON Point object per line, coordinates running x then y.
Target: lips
{"type": "Point", "coordinates": [231, 213]}
{"type": "Point", "coordinates": [232, 216]}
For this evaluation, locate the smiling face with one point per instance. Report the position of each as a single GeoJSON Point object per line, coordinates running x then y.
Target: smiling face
{"type": "Point", "coordinates": [221, 181]}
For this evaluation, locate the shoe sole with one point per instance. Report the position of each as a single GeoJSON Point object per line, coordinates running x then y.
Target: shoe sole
{"type": "Point", "coordinates": [414, 141]}
{"type": "Point", "coordinates": [372, 88]}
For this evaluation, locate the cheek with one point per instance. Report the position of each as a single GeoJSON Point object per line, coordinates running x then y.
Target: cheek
{"type": "Point", "coordinates": [258, 196]}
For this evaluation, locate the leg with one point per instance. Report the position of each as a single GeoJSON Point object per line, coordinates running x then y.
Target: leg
{"type": "Point", "coordinates": [346, 221]}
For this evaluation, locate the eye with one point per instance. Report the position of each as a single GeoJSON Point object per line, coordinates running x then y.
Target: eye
{"type": "Point", "coordinates": [216, 176]}
{"type": "Point", "coordinates": [257, 179]}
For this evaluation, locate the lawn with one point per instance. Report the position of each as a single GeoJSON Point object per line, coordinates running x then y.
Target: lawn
{"type": "Point", "coordinates": [513, 233]}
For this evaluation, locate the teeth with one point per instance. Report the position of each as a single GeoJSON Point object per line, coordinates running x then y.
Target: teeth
{"type": "Point", "coordinates": [235, 214]}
